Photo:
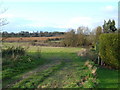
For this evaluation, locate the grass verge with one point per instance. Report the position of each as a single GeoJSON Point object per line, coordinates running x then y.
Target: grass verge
{"type": "Point", "coordinates": [108, 78]}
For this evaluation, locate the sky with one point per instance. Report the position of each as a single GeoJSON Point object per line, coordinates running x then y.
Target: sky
{"type": "Point", "coordinates": [57, 15]}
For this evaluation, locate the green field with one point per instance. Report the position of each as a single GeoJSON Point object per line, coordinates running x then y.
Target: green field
{"type": "Point", "coordinates": [54, 67]}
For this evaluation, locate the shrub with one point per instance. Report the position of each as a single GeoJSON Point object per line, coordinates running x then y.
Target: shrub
{"type": "Point", "coordinates": [13, 51]}
{"type": "Point", "coordinates": [109, 48]}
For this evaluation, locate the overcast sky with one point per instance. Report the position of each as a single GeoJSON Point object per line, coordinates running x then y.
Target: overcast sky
{"type": "Point", "coordinates": [58, 13]}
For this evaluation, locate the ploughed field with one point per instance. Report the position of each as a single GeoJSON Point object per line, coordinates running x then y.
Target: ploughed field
{"type": "Point", "coordinates": [49, 67]}
{"type": "Point", "coordinates": [28, 39]}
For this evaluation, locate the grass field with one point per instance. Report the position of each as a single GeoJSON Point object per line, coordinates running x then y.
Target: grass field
{"type": "Point", "coordinates": [57, 67]}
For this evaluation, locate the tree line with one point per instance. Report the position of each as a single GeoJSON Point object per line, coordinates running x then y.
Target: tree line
{"type": "Point", "coordinates": [85, 37]}
{"type": "Point", "coordinates": [31, 34]}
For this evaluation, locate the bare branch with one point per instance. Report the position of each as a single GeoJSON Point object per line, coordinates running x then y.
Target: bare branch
{"type": "Point", "coordinates": [3, 22]}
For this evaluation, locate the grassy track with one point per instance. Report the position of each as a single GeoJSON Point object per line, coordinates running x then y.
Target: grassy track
{"type": "Point", "coordinates": [67, 56]}
{"type": "Point", "coordinates": [68, 68]}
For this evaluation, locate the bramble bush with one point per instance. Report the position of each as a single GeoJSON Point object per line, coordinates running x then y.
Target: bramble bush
{"type": "Point", "coordinates": [109, 49]}
{"type": "Point", "coordinates": [13, 51]}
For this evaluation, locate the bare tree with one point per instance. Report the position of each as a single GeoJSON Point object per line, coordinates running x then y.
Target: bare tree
{"type": "Point", "coordinates": [98, 32]}
{"type": "Point", "coordinates": [81, 35]}
{"type": "Point", "coordinates": [3, 20]}
{"type": "Point", "coordinates": [69, 38]}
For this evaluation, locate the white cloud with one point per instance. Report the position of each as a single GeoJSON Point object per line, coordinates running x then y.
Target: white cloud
{"type": "Point", "coordinates": [109, 8]}
{"type": "Point", "coordinates": [80, 21]}
{"type": "Point", "coordinates": [74, 22]}
{"type": "Point", "coordinates": [109, 11]}
{"type": "Point", "coordinates": [7, 16]}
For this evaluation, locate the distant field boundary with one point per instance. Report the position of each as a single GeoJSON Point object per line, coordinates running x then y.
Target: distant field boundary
{"type": "Point", "coordinates": [28, 39]}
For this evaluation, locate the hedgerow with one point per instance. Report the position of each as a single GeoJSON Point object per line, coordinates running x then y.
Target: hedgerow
{"type": "Point", "coordinates": [109, 49]}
